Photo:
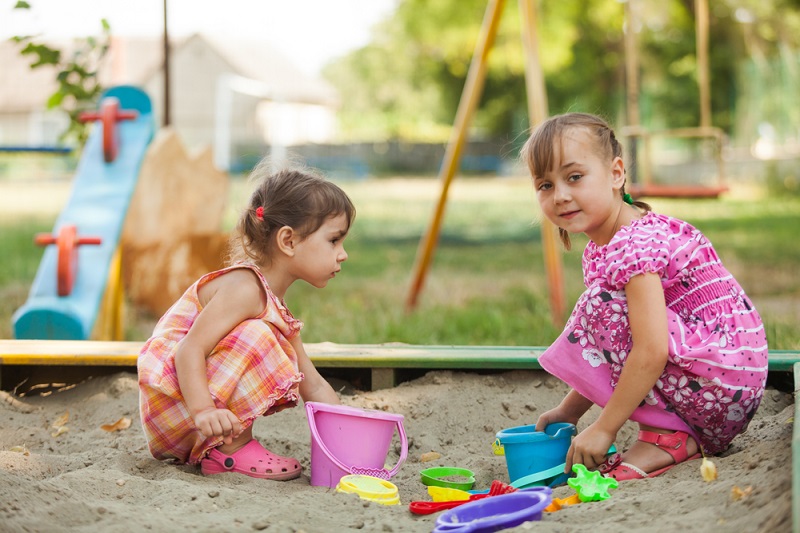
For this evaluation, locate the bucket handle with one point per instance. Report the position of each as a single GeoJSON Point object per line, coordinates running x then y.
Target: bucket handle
{"type": "Point", "coordinates": [539, 476]}
{"type": "Point", "coordinates": [375, 472]}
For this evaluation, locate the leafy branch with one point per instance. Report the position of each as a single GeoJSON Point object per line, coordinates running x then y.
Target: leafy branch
{"type": "Point", "coordinates": [78, 83]}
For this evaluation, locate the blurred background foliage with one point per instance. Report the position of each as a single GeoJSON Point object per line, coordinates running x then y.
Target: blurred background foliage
{"type": "Point", "coordinates": [406, 84]}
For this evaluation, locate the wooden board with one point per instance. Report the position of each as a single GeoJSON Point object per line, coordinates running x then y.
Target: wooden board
{"type": "Point", "coordinates": [173, 232]}
{"type": "Point", "coordinates": [324, 355]}
{"type": "Point", "coordinates": [796, 455]}
{"type": "Point", "coordinates": [381, 359]}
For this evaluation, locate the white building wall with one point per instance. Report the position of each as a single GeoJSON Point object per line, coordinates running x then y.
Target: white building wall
{"type": "Point", "coordinates": [288, 123]}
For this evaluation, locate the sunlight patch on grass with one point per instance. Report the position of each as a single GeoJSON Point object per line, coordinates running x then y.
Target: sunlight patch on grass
{"type": "Point", "coordinates": [39, 199]}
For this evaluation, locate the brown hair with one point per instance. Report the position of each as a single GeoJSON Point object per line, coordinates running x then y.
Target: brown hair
{"type": "Point", "coordinates": [538, 151]}
{"type": "Point", "coordinates": [300, 199]}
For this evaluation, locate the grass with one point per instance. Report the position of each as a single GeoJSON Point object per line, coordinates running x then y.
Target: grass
{"type": "Point", "coordinates": [486, 285]}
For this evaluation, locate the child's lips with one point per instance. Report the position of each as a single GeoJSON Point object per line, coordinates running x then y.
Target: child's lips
{"type": "Point", "coordinates": [569, 214]}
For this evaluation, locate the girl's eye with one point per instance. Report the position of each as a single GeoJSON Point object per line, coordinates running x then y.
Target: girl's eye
{"type": "Point", "coordinates": [574, 177]}
{"type": "Point", "coordinates": [544, 186]}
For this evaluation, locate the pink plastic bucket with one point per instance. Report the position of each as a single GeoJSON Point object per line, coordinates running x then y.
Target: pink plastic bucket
{"type": "Point", "coordinates": [348, 440]}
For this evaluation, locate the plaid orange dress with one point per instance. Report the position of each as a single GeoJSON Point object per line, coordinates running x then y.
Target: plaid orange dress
{"type": "Point", "coordinates": [251, 372]}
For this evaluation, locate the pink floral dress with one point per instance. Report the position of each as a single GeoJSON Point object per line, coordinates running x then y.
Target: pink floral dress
{"type": "Point", "coordinates": [252, 372]}
{"type": "Point", "coordinates": [717, 367]}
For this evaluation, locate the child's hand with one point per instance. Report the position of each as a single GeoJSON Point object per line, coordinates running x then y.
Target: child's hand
{"type": "Point", "coordinates": [589, 447]}
{"type": "Point", "coordinates": [213, 422]}
{"type": "Point", "coordinates": [552, 416]}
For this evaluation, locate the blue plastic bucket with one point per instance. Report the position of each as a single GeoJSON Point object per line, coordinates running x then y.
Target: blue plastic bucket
{"type": "Point", "coordinates": [529, 452]}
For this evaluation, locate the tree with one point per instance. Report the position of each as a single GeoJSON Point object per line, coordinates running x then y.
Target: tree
{"type": "Point", "coordinates": [423, 55]}
{"type": "Point", "coordinates": [424, 51]}
{"type": "Point", "coordinates": [78, 83]}
{"type": "Point", "coordinates": [407, 82]}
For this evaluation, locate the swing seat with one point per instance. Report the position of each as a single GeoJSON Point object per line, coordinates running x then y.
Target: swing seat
{"type": "Point", "coordinates": [676, 191]}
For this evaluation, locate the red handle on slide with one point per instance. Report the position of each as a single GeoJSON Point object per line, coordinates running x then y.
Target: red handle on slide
{"type": "Point", "coordinates": [109, 115]}
{"type": "Point", "coordinates": [68, 242]}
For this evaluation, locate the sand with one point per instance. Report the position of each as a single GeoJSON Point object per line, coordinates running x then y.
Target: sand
{"type": "Point", "coordinates": [89, 479]}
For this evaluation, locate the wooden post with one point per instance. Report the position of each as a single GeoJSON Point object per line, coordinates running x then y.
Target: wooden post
{"type": "Point", "coordinates": [537, 113]}
{"type": "Point", "coordinates": [534, 79]}
{"type": "Point", "coordinates": [703, 80]}
{"type": "Point", "coordinates": [110, 323]}
{"type": "Point", "coordinates": [631, 64]}
{"type": "Point", "coordinates": [466, 109]}
{"type": "Point", "coordinates": [167, 120]}
{"type": "Point", "coordinates": [632, 87]}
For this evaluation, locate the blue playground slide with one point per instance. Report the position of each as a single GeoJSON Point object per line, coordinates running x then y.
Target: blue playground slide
{"type": "Point", "coordinates": [97, 207]}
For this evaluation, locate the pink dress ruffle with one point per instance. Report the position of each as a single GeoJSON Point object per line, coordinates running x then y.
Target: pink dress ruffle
{"type": "Point", "coordinates": [717, 366]}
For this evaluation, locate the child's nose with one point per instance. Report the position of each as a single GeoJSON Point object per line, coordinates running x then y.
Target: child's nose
{"type": "Point", "coordinates": [561, 194]}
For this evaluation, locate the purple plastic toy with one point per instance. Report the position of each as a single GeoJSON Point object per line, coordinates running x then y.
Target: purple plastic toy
{"type": "Point", "coordinates": [496, 513]}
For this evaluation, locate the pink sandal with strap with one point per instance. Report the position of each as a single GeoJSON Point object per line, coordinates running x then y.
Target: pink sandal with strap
{"type": "Point", "coordinates": [672, 443]}
{"type": "Point", "coordinates": [251, 460]}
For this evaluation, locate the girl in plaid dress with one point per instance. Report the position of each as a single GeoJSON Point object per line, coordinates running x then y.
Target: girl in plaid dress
{"type": "Point", "coordinates": [663, 334]}
{"type": "Point", "coordinates": [229, 351]}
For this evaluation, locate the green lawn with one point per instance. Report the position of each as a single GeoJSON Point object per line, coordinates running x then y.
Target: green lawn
{"type": "Point", "coordinates": [486, 285]}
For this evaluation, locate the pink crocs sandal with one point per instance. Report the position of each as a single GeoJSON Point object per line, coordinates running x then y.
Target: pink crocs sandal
{"type": "Point", "coordinates": [672, 443]}
{"type": "Point", "coordinates": [251, 460]}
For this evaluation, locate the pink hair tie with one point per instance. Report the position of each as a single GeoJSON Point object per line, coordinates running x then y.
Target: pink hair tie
{"type": "Point", "coordinates": [260, 213]}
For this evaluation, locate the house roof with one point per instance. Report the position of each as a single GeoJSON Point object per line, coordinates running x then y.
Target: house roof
{"type": "Point", "coordinates": [136, 60]}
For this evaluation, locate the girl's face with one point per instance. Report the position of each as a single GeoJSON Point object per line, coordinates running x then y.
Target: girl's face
{"type": "Point", "coordinates": [320, 256]}
{"type": "Point", "coordinates": [581, 192]}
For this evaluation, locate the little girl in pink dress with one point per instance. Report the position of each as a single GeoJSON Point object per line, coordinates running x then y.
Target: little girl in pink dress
{"type": "Point", "coordinates": [663, 334]}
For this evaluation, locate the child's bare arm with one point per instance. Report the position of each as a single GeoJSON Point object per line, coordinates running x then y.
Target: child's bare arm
{"type": "Point", "coordinates": [235, 298]}
{"type": "Point", "coordinates": [571, 409]}
{"type": "Point", "coordinates": [314, 387]}
{"type": "Point", "coordinates": [647, 314]}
